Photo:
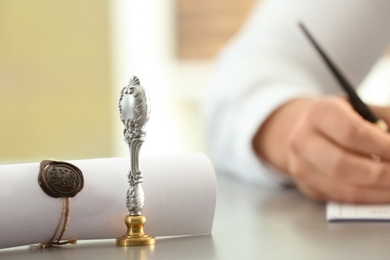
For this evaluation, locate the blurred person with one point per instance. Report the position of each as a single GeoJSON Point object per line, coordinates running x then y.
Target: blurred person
{"type": "Point", "coordinates": [276, 113]}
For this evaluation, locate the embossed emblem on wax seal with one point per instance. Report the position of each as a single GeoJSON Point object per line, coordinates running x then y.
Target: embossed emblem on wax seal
{"type": "Point", "coordinates": [60, 179]}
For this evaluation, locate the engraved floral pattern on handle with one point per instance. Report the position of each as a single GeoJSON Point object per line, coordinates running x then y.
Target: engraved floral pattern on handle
{"type": "Point", "coordinates": [134, 109]}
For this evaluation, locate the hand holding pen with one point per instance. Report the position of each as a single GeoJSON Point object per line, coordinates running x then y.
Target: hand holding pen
{"type": "Point", "coordinates": [326, 147]}
{"type": "Point", "coordinates": [354, 99]}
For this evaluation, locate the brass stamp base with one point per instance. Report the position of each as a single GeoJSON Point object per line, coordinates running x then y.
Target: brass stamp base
{"type": "Point", "coordinates": [135, 235]}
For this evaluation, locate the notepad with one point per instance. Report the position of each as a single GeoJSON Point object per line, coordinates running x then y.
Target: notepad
{"type": "Point", "coordinates": [355, 212]}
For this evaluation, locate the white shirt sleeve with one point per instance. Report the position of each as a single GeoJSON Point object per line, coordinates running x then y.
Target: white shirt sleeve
{"type": "Point", "coordinates": [270, 62]}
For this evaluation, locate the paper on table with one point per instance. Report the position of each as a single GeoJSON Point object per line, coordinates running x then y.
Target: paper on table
{"type": "Point", "coordinates": [341, 211]}
{"type": "Point", "coordinates": [180, 197]}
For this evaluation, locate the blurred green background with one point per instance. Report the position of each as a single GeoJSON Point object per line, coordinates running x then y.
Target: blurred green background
{"type": "Point", "coordinates": [63, 64]}
{"type": "Point", "coordinates": [54, 80]}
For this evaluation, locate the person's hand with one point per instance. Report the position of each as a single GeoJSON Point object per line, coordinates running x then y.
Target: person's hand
{"type": "Point", "coordinates": [328, 150]}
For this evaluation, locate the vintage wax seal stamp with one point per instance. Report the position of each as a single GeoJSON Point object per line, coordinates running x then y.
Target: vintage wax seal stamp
{"type": "Point", "coordinates": [134, 109]}
{"type": "Point", "coordinates": [60, 179]}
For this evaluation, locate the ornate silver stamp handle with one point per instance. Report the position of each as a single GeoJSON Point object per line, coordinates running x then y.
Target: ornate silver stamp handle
{"type": "Point", "coordinates": [134, 109]}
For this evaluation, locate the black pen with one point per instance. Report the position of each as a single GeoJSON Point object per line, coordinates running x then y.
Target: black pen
{"type": "Point", "coordinates": [356, 102]}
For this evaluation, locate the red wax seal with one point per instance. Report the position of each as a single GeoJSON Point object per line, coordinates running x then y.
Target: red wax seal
{"type": "Point", "coordinates": [60, 179]}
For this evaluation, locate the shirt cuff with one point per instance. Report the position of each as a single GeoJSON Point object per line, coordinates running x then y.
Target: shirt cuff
{"type": "Point", "coordinates": [254, 110]}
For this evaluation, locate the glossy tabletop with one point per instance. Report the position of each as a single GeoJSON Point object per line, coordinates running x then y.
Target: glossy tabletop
{"type": "Point", "coordinates": [250, 223]}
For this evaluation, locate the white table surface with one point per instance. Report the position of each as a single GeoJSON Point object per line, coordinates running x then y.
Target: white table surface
{"type": "Point", "coordinates": [250, 223]}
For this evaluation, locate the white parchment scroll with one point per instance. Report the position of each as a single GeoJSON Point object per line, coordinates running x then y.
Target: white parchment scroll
{"type": "Point", "coordinates": [180, 198]}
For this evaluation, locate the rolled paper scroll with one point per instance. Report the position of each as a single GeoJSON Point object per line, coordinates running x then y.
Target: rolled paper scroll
{"type": "Point", "coordinates": [181, 199]}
